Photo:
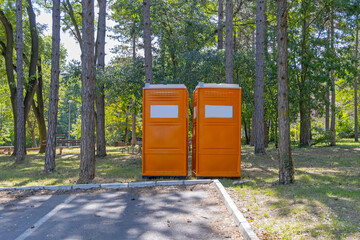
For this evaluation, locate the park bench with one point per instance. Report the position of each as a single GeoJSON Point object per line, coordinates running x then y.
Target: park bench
{"type": "Point", "coordinates": [66, 143]}
{"type": "Point", "coordinates": [121, 144]}
{"type": "Point", "coordinates": [6, 150]}
{"type": "Point", "coordinates": [62, 143]}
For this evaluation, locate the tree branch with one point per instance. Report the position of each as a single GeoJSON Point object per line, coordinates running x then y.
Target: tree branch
{"type": "Point", "coordinates": [73, 20]}
{"type": "Point", "coordinates": [288, 8]}
{"type": "Point", "coordinates": [239, 7]}
{"type": "Point", "coordinates": [315, 17]}
{"type": "Point", "coordinates": [4, 47]}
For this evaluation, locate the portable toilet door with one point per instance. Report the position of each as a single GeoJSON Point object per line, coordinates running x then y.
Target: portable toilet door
{"type": "Point", "coordinates": [217, 130]}
{"type": "Point", "coordinates": [165, 130]}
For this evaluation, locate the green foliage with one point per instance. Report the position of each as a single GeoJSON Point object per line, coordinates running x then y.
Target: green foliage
{"type": "Point", "coordinates": [70, 89]}
{"type": "Point", "coordinates": [184, 44]}
{"type": "Point", "coordinates": [319, 135]}
{"type": "Point", "coordinates": [345, 126]}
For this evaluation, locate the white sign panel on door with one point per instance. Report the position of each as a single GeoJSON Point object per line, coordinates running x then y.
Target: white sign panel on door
{"type": "Point", "coordinates": [218, 111]}
{"type": "Point", "coordinates": [164, 111]}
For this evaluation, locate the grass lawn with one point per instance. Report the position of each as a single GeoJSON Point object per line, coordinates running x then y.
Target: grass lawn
{"type": "Point", "coordinates": [324, 202]}
{"type": "Point", "coordinates": [115, 167]}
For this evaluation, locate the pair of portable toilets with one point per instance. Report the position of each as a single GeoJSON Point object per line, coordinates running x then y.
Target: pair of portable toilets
{"type": "Point", "coordinates": [216, 141]}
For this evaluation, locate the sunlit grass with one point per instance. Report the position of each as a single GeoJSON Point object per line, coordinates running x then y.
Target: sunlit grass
{"type": "Point", "coordinates": [323, 203]}
{"type": "Point", "coordinates": [115, 167]}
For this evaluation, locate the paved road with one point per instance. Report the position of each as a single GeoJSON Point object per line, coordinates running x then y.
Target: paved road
{"type": "Point", "coordinates": [147, 213]}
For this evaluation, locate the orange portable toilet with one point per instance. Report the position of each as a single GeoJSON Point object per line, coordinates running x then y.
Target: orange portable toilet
{"type": "Point", "coordinates": [165, 130]}
{"type": "Point", "coordinates": [217, 130]}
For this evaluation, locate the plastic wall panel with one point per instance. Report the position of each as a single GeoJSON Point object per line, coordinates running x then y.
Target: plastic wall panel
{"type": "Point", "coordinates": [217, 134]}
{"type": "Point", "coordinates": [165, 132]}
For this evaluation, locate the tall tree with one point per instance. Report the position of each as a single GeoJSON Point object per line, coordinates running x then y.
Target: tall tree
{"type": "Point", "coordinates": [31, 85]}
{"type": "Point", "coordinates": [8, 53]}
{"type": "Point", "coordinates": [20, 150]}
{"type": "Point", "coordinates": [54, 89]}
{"type": "Point", "coordinates": [147, 41]}
{"type": "Point", "coordinates": [72, 22]}
{"type": "Point", "coordinates": [327, 97]}
{"type": "Point", "coordinates": [133, 128]}
{"type": "Point", "coordinates": [100, 98]}
{"type": "Point", "coordinates": [286, 165]}
{"type": "Point", "coordinates": [259, 78]}
{"type": "Point", "coordinates": [35, 84]}
{"type": "Point", "coordinates": [327, 108]}
{"type": "Point", "coordinates": [305, 118]}
{"type": "Point", "coordinates": [33, 81]}
{"type": "Point", "coordinates": [133, 114]}
{"type": "Point", "coordinates": [356, 81]}
{"type": "Point", "coordinates": [126, 129]}
{"type": "Point", "coordinates": [229, 42]}
{"type": "Point", "coordinates": [332, 40]}
{"type": "Point", "coordinates": [38, 107]}
{"type": "Point", "coordinates": [87, 151]}
{"type": "Point", "coordinates": [220, 25]}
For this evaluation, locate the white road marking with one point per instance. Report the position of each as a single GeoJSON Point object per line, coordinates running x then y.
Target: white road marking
{"type": "Point", "coordinates": [42, 220]}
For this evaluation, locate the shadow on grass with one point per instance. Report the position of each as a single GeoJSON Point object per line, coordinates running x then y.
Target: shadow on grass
{"type": "Point", "coordinates": [115, 167]}
{"type": "Point", "coordinates": [327, 188]}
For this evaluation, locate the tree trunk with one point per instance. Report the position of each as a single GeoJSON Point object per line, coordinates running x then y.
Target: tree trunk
{"type": "Point", "coordinates": [133, 129]}
{"type": "Point", "coordinates": [327, 109]}
{"type": "Point", "coordinates": [305, 130]}
{"type": "Point", "coordinates": [327, 96]}
{"type": "Point", "coordinates": [305, 123]}
{"type": "Point", "coordinates": [8, 53]}
{"type": "Point", "coordinates": [39, 110]}
{"type": "Point", "coordinates": [147, 42]}
{"type": "Point", "coordinates": [54, 90]}
{"type": "Point", "coordinates": [266, 137]}
{"type": "Point", "coordinates": [246, 130]}
{"type": "Point", "coordinates": [32, 133]}
{"type": "Point", "coordinates": [229, 42]}
{"type": "Point", "coordinates": [134, 46]}
{"type": "Point", "coordinates": [100, 99]}
{"type": "Point", "coordinates": [286, 165]}
{"type": "Point", "coordinates": [133, 115]}
{"type": "Point", "coordinates": [252, 130]}
{"type": "Point", "coordinates": [87, 152]}
{"type": "Point", "coordinates": [100, 123]}
{"type": "Point", "coordinates": [276, 137]}
{"type": "Point", "coordinates": [332, 126]}
{"type": "Point", "coordinates": [126, 130]}
{"type": "Point", "coordinates": [220, 25]}
{"type": "Point", "coordinates": [32, 84]}
{"type": "Point", "coordinates": [20, 151]}
{"type": "Point", "coordinates": [332, 39]}
{"type": "Point", "coordinates": [356, 84]}
{"type": "Point", "coordinates": [259, 78]}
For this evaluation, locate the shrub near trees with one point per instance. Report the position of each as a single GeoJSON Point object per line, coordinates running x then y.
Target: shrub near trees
{"type": "Point", "coordinates": [186, 42]}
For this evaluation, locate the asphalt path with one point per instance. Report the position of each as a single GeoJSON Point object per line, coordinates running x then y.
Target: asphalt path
{"type": "Point", "coordinates": [193, 212]}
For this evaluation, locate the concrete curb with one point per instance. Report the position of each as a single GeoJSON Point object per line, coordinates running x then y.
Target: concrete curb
{"type": "Point", "coordinates": [111, 185]}
{"type": "Point", "coordinates": [244, 226]}
{"type": "Point", "coordinates": [114, 185]}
